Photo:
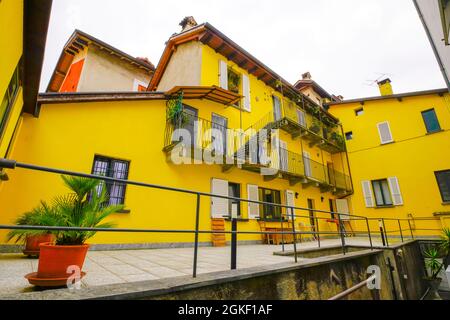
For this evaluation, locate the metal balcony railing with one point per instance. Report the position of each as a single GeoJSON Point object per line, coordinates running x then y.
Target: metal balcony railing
{"type": "Point", "coordinates": [198, 133]}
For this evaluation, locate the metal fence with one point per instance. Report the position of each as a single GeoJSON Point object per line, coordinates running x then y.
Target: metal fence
{"type": "Point", "coordinates": [288, 219]}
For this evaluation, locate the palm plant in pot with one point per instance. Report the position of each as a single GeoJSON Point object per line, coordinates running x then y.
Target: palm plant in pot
{"type": "Point", "coordinates": [32, 238]}
{"type": "Point", "coordinates": [84, 207]}
{"type": "Point", "coordinates": [434, 267]}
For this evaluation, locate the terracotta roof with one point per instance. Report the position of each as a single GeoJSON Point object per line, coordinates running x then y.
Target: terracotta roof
{"type": "Point", "coordinates": [300, 84]}
{"type": "Point", "coordinates": [78, 41]}
{"type": "Point", "coordinates": [212, 93]}
{"type": "Point", "coordinates": [209, 35]}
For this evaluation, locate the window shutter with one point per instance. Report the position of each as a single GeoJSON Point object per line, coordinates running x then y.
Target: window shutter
{"type": "Point", "coordinates": [385, 132]}
{"type": "Point", "coordinates": [307, 163]}
{"type": "Point", "coordinates": [301, 118]}
{"type": "Point", "coordinates": [368, 195]}
{"type": "Point", "coordinates": [253, 195]}
{"type": "Point", "coordinates": [342, 207]}
{"type": "Point", "coordinates": [246, 92]}
{"type": "Point", "coordinates": [290, 201]}
{"type": "Point", "coordinates": [223, 74]}
{"type": "Point", "coordinates": [219, 206]}
{"type": "Point", "coordinates": [395, 191]}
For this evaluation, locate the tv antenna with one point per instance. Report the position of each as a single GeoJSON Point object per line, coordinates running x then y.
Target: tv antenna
{"type": "Point", "coordinates": [381, 76]}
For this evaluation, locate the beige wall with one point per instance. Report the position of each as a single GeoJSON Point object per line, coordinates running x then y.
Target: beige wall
{"type": "Point", "coordinates": [184, 68]}
{"type": "Point", "coordinates": [105, 72]}
{"type": "Point", "coordinates": [309, 92]}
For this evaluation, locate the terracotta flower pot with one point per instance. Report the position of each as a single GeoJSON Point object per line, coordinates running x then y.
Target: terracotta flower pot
{"type": "Point", "coordinates": [33, 242]}
{"type": "Point", "coordinates": [54, 260]}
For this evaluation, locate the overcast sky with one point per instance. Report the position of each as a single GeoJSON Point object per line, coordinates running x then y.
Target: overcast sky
{"type": "Point", "coordinates": [345, 44]}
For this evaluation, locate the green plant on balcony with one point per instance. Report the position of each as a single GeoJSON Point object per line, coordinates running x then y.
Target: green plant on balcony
{"type": "Point", "coordinates": [315, 126]}
{"type": "Point", "coordinates": [234, 81]}
{"type": "Point", "coordinates": [174, 111]}
{"type": "Point", "coordinates": [337, 139]}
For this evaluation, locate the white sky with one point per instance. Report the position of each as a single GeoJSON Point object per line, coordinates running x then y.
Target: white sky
{"type": "Point", "coordinates": [342, 43]}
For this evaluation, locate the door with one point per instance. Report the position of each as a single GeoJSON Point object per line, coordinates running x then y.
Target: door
{"type": "Point", "coordinates": [342, 207]}
{"type": "Point", "coordinates": [276, 108]}
{"type": "Point", "coordinates": [312, 216]}
{"type": "Point", "coordinates": [283, 156]}
{"type": "Point", "coordinates": [192, 116]}
{"type": "Point", "coordinates": [219, 206]}
{"type": "Point", "coordinates": [307, 162]}
{"type": "Point", "coordinates": [290, 201]}
{"type": "Point", "coordinates": [219, 137]}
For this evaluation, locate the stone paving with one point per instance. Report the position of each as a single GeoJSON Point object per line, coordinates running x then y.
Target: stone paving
{"type": "Point", "coordinates": [112, 267]}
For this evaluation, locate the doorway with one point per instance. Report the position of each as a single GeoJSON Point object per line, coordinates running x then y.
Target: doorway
{"type": "Point", "coordinates": [192, 116]}
{"type": "Point", "coordinates": [312, 217]}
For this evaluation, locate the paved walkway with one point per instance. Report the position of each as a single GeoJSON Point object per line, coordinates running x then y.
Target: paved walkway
{"type": "Point", "coordinates": [111, 267]}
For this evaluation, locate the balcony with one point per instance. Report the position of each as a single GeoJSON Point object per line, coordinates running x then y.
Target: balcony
{"type": "Point", "coordinates": [197, 136]}
{"type": "Point", "coordinates": [299, 123]}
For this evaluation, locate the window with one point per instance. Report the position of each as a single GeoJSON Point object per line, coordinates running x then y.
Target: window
{"type": "Point", "coordinates": [384, 131]}
{"type": "Point", "coordinates": [349, 135]}
{"type": "Point", "coordinates": [269, 212]}
{"type": "Point", "coordinates": [382, 193]}
{"type": "Point", "coordinates": [8, 99]}
{"type": "Point", "coordinates": [431, 121]}
{"type": "Point", "coordinates": [234, 190]}
{"type": "Point", "coordinates": [234, 81]}
{"type": "Point", "coordinates": [359, 112]}
{"type": "Point", "coordinates": [443, 180]}
{"type": "Point", "coordinates": [113, 168]}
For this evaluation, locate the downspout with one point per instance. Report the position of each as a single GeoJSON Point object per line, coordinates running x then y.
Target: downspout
{"type": "Point", "coordinates": [427, 31]}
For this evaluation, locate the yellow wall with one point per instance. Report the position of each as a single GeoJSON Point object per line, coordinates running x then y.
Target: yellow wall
{"type": "Point", "coordinates": [412, 158]}
{"type": "Point", "coordinates": [11, 30]}
{"type": "Point", "coordinates": [69, 135]}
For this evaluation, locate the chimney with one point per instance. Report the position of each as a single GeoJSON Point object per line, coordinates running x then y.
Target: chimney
{"type": "Point", "coordinates": [306, 76]}
{"type": "Point", "coordinates": [188, 23]}
{"type": "Point", "coordinates": [385, 87]}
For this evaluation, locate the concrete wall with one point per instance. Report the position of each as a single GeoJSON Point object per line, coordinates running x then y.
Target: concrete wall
{"type": "Point", "coordinates": [105, 72]}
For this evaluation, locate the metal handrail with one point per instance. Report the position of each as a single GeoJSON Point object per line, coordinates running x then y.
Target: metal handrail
{"type": "Point", "coordinates": [353, 289]}
{"type": "Point", "coordinates": [12, 164]}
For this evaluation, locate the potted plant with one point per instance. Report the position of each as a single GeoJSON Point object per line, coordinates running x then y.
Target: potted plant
{"type": "Point", "coordinates": [174, 111]}
{"type": "Point", "coordinates": [434, 267]}
{"type": "Point", "coordinates": [338, 139]}
{"type": "Point", "coordinates": [83, 207]}
{"type": "Point", "coordinates": [315, 126]}
{"type": "Point", "coordinates": [445, 246]}
{"type": "Point", "coordinates": [31, 238]}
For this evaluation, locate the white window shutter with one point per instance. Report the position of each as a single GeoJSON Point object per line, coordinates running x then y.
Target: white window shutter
{"type": "Point", "coordinates": [395, 191]}
{"type": "Point", "coordinates": [301, 118]}
{"type": "Point", "coordinates": [384, 131]}
{"type": "Point", "coordinates": [219, 206]}
{"type": "Point", "coordinates": [223, 74]}
{"type": "Point", "coordinates": [253, 195]}
{"type": "Point", "coordinates": [246, 92]}
{"type": "Point", "coordinates": [290, 201]}
{"type": "Point", "coordinates": [368, 195]}
{"type": "Point", "coordinates": [342, 207]}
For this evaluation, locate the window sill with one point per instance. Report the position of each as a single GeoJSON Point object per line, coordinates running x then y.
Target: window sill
{"type": "Point", "coordinates": [238, 220]}
{"type": "Point", "coordinates": [433, 132]}
{"type": "Point", "coordinates": [384, 207]}
{"type": "Point", "coordinates": [387, 143]}
{"type": "Point", "coordinates": [124, 211]}
{"type": "Point", "coordinates": [446, 203]}
{"type": "Point", "coordinates": [273, 220]}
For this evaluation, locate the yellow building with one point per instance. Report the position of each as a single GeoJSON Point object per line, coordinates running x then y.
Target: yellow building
{"type": "Point", "coordinates": [399, 150]}
{"type": "Point", "coordinates": [132, 135]}
{"type": "Point", "coordinates": [23, 30]}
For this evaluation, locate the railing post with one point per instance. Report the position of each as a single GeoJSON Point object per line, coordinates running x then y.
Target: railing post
{"type": "Point", "coordinates": [197, 224]}
{"type": "Point", "coordinates": [282, 234]}
{"type": "Point", "coordinates": [368, 232]}
{"type": "Point", "coordinates": [385, 233]}
{"type": "Point", "coordinates": [401, 232]}
{"type": "Point", "coordinates": [341, 233]}
{"type": "Point", "coordinates": [233, 243]}
{"type": "Point", "coordinates": [317, 232]}
{"type": "Point", "coordinates": [410, 229]}
{"type": "Point", "coordinates": [294, 234]}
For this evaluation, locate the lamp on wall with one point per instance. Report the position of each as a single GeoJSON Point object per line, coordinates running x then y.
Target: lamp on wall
{"type": "Point", "coordinates": [321, 199]}
{"type": "Point", "coordinates": [296, 195]}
